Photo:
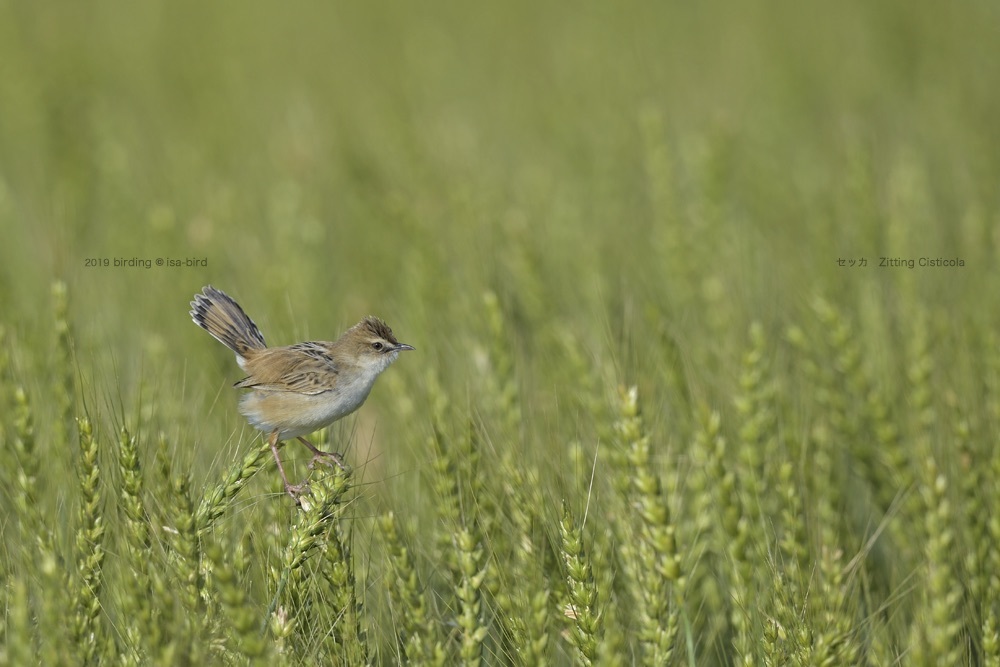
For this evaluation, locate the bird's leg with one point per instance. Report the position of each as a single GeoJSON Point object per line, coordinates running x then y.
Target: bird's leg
{"type": "Point", "coordinates": [320, 455]}
{"type": "Point", "coordinates": [292, 489]}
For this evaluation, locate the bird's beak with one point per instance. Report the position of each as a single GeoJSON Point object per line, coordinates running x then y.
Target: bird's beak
{"type": "Point", "coordinates": [404, 346]}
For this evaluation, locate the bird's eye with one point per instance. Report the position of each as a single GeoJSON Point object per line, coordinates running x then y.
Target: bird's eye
{"type": "Point", "coordinates": [377, 345]}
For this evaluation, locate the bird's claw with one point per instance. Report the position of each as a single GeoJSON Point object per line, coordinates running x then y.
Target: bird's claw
{"type": "Point", "coordinates": [326, 458]}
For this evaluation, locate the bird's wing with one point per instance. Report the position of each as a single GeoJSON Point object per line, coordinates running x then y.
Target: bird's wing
{"type": "Point", "coordinates": [303, 368]}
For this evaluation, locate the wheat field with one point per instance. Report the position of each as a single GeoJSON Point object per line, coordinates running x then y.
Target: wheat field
{"type": "Point", "coordinates": [707, 369]}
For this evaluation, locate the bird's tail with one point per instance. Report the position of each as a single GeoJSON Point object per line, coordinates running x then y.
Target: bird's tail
{"type": "Point", "coordinates": [216, 312]}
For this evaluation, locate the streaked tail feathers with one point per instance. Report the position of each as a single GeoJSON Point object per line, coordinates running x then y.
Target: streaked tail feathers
{"type": "Point", "coordinates": [216, 312]}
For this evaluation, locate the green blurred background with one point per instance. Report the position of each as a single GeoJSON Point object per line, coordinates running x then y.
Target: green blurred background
{"type": "Point", "coordinates": [635, 181]}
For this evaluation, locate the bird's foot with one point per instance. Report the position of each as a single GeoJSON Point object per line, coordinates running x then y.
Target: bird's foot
{"type": "Point", "coordinates": [295, 491]}
{"type": "Point", "coordinates": [326, 458]}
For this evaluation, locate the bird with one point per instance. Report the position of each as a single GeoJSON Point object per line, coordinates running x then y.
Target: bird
{"type": "Point", "coordinates": [295, 390]}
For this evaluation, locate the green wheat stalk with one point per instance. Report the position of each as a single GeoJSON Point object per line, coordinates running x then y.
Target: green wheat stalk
{"type": "Point", "coordinates": [219, 499]}
{"type": "Point", "coordinates": [19, 626]}
{"type": "Point", "coordinates": [348, 639]}
{"type": "Point", "coordinates": [141, 626]}
{"type": "Point", "coordinates": [38, 539]}
{"type": "Point", "coordinates": [474, 568]}
{"type": "Point", "coordinates": [991, 598]}
{"type": "Point", "coordinates": [64, 388]}
{"type": "Point", "coordinates": [731, 535]}
{"type": "Point", "coordinates": [525, 607]}
{"type": "Point", "coordinates": [938, 634]}
{"type": "Point", "coordinates": [320, 508]}
{"type": "Point", "coordinates": [757, 444]}
{"type": "Point", "coordinates": [581, 608]}
{"type": "Point", "coordinates": [658, 579]}
{"type": "Point", "coordinates": [503, 376]}
{"type": "Point", "coordinates": [89, 548]}
{"type": "Point", "coordinates": [418, 643]}
{"type": "Point", "coordinates": [243, 637]}
{"type": "Point", "coordinates": [185, 586]}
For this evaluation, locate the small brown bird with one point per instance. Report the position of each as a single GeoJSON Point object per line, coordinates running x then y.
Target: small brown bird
{"type": "Point", "coordinates": [298, 389]}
